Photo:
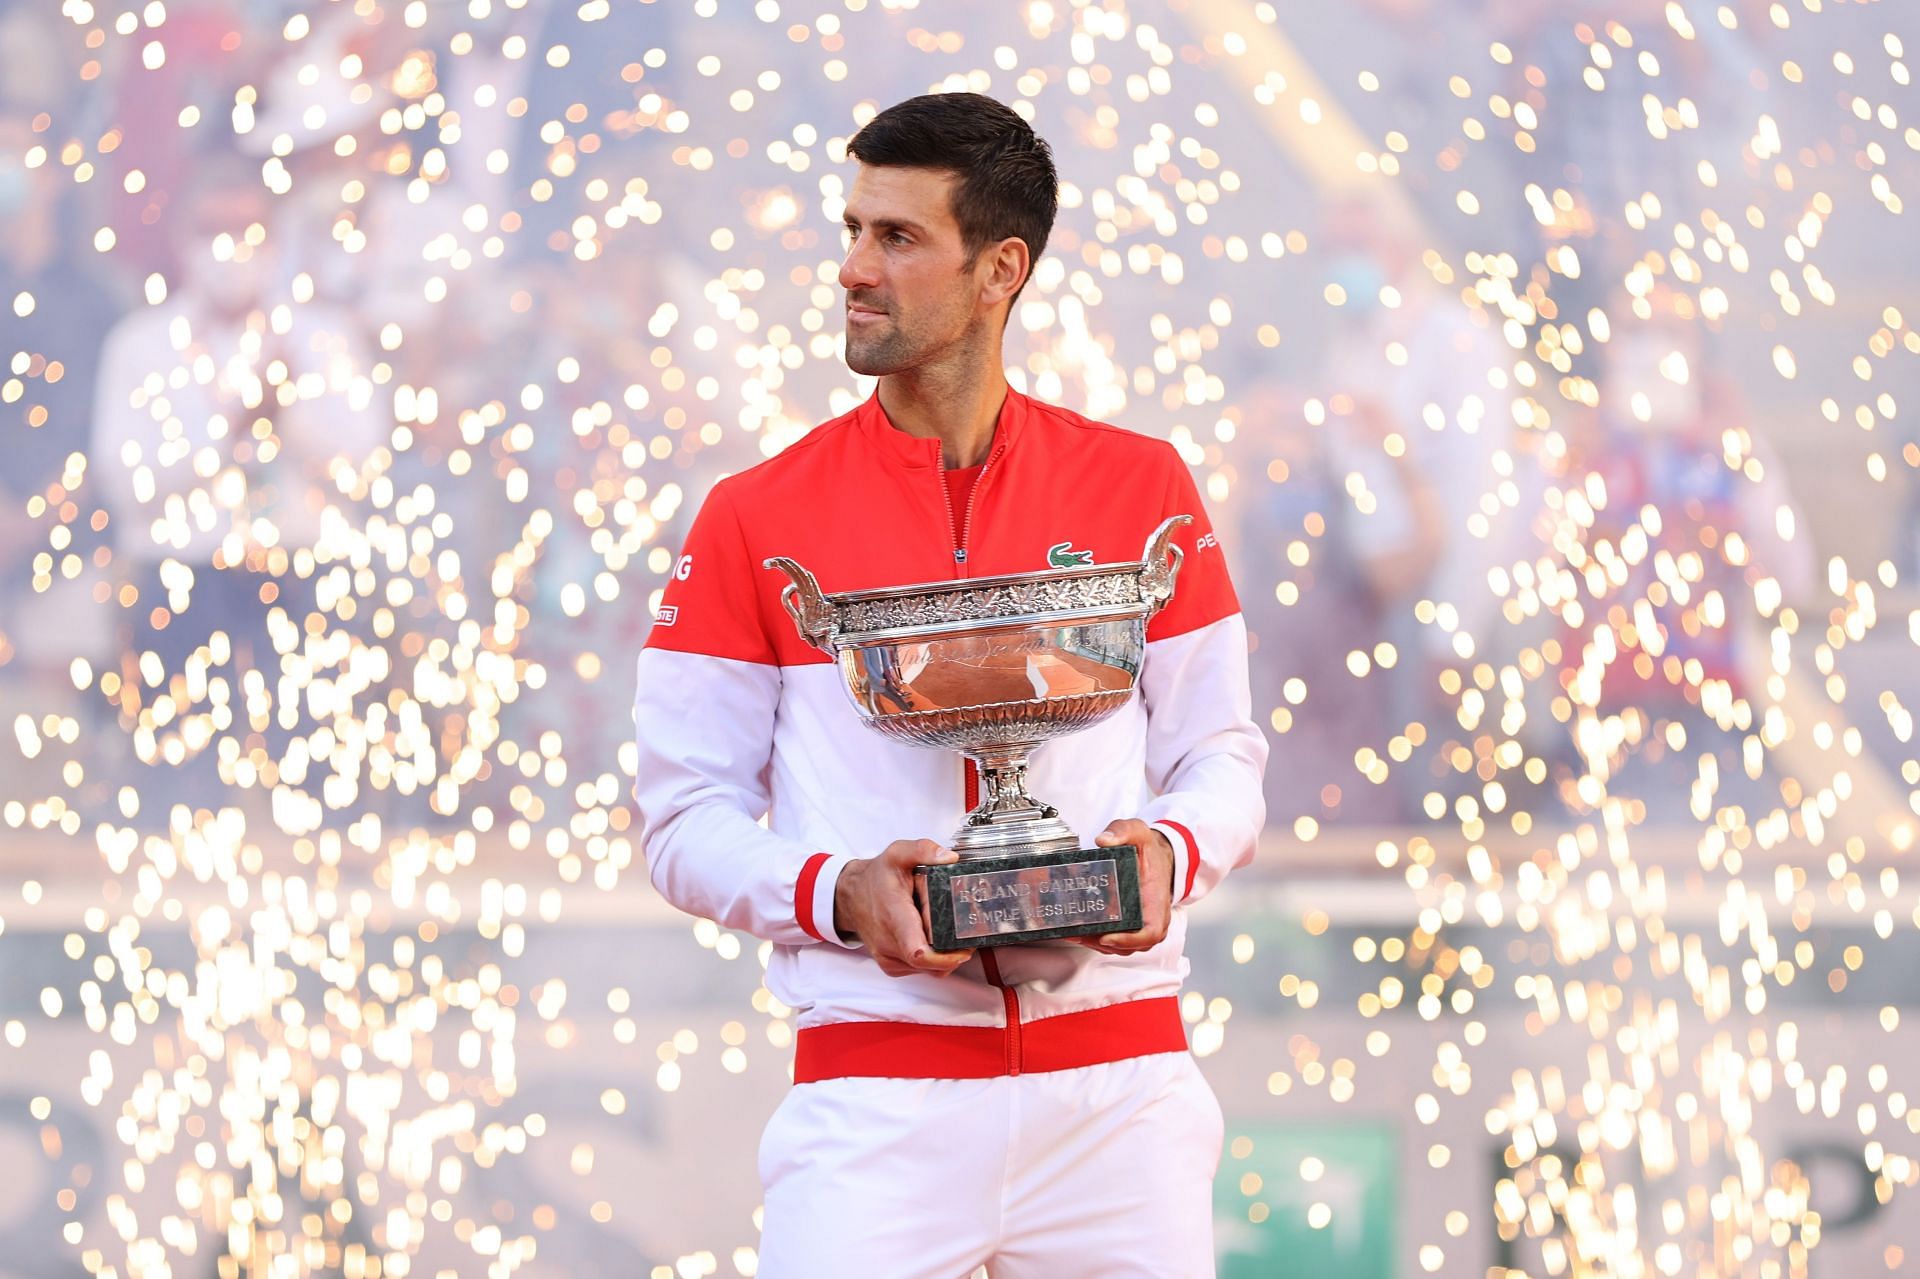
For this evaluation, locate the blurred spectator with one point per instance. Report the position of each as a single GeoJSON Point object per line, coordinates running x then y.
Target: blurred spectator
{"type": "Point", "coordinates": [1306, 617]}
{"type": "Point", "coordinates": [219, 412]}
{"type": "Point", "coordinates": [1426, 378]}
{"type": "Point", "coordinates": [1672, 420]}
{"type": "Point", "coordinates": [316, 135]}
{"type": "Point", "coordinates": [1674, 433]}
{"type": "Point", "coordinates": [158, 116]}
{"type": "Point", "coordinates": [1432, 374]}
{"type": "Point", "coordinates": [54, 350]}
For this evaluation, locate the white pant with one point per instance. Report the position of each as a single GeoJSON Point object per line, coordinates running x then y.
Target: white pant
{"type": "Point", "coordinates": [1102, 1171]}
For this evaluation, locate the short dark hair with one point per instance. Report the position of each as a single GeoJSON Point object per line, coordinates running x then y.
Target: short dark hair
{"type": "Point", "coordinates": [1008, 186]}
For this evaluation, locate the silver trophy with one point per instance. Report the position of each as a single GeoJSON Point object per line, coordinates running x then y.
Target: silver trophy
{"type": "Point", "coordinates": [992, 667]}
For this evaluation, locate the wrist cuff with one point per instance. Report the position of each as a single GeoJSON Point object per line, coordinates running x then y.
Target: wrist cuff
{"type": "Point", "coordinates": [813, 898]}
{"type": "Point", "coordinates": [1186, 857]}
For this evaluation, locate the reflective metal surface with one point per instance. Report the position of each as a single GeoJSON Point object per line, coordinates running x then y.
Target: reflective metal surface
{"type": "Point", "coordinates": [967, 691]}
{"type": "Point", "coordinates": [992, 667]}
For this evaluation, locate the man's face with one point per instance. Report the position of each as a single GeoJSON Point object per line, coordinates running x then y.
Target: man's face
{"type": "Point", "coordinates": [911, 294]}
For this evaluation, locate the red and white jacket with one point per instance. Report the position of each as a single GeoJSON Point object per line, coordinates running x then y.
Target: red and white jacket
{"type": "Point", "coordinates": [757, 782]}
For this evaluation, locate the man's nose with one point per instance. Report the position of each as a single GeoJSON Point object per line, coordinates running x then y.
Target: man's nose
{"type": "Point", "coordinates": [857, 268]}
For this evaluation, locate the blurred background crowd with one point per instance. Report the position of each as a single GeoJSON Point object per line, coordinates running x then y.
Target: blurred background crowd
{"type": "Point", "coordinates": [1544, 366]}
{"type": "Point", "coordinates": [372, 273]}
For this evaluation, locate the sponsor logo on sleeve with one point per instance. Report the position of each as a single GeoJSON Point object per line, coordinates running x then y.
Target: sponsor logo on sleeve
{"type": "Point", "coordinates": [668, 614]}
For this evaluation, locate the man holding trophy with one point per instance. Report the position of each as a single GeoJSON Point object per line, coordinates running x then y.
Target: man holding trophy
{"type": "Point", "coordinates": [957, 607]}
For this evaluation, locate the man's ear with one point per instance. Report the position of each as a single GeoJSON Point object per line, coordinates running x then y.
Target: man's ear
{"type": "Point", "coordinates": [1003, 269]}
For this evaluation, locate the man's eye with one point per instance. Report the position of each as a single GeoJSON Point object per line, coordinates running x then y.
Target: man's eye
{"type": "Point", "coordinates": [898, 237]}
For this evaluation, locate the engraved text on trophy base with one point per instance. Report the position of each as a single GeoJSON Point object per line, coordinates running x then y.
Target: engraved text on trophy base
{"type": "Point", "coordinates": [996, 903]}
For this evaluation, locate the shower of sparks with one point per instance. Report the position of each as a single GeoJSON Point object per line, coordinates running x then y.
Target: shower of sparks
{"type": "Point", "coordinates": [544, 275]}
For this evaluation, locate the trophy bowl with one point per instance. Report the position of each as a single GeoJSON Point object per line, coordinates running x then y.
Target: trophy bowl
{"type": "Point", "coordinates": [991, 667]}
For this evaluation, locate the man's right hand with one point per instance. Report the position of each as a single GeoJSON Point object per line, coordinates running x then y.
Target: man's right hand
{"type": "Point", "coordinates": [873, 901]}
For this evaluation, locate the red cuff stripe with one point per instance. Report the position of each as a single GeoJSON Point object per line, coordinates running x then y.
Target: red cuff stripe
{"type": "Point", "coordinates": [1193, 856]}
{"type": "Point", "coordinates": [803, 894]}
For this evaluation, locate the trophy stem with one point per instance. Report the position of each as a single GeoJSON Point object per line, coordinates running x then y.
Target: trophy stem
{"type": "Point", "coordinates": [1007, 818]}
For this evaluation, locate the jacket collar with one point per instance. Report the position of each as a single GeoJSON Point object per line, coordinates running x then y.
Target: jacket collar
{"type": "Point", "coordinates": [901, 449]}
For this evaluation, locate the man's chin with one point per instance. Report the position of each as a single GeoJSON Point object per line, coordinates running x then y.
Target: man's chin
{"type": "Point", "coordinates": [877, 360]}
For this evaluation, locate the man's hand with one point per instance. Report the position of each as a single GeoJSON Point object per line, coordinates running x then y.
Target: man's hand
{"type": "Point", "coordinates": [873, 900]}
{"type": "Point", "coordinates": [1156, 888]}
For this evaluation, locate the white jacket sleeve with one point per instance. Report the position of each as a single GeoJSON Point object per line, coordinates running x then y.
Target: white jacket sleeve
{"type": "Point", "coordinates": [704, 710]}
{"type": "Point", "coordinates": [1205, 756]}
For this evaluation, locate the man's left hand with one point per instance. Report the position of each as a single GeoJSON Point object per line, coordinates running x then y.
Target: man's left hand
{"type": "Point", "coordinates": [1156, 888]}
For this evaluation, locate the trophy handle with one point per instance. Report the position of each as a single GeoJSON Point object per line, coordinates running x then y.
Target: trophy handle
{"type": "Point", "coordinates": [1163, 560]}
{"type": "Point", "coordinates": [805, 602]}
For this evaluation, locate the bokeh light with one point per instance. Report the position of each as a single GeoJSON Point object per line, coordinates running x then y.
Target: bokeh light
{"type": "Point", "coordinates": [1545, 368]}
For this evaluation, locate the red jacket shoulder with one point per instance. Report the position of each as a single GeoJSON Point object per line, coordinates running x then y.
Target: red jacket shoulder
{"type": "Point", "coordinates": [1115, 454]}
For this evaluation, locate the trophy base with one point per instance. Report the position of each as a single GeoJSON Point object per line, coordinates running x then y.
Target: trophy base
{"type": "Point", "coordinates": [1030, 897]}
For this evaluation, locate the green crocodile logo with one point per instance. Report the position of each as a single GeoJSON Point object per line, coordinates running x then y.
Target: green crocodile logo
{"type": "Point", "coordinates": [1062, 555]}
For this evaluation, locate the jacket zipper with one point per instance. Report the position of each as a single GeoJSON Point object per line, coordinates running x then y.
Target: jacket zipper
{"type": "Point", "coordinates": [966, 523]}
{"type": "Point", "coordinates": [1009, 997]}
{"type": "Point", "coordinates": [953, 526]}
